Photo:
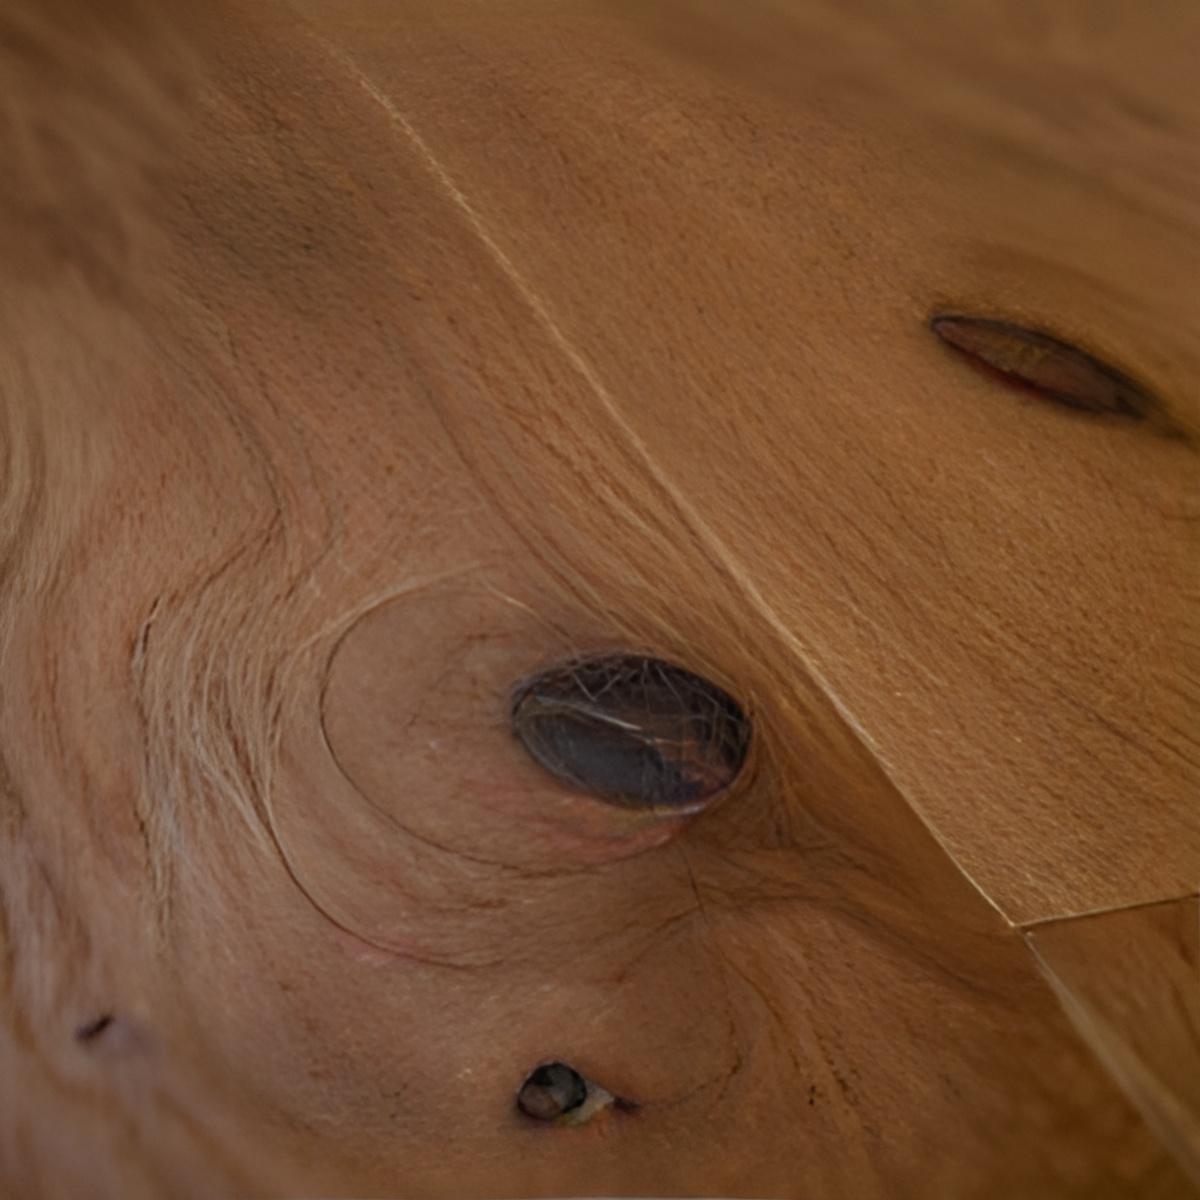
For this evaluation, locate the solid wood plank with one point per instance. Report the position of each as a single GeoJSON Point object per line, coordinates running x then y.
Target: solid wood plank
{"type": "Point", "coordinates": [488, 335]}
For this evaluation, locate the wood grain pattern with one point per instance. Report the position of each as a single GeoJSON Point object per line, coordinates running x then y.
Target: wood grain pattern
{"type": "Point", "coordinates": [467, 340]}
{"type": "Point", "coordinates": [1131, 983]}
{"type": "Point", "coordinates": [1039, 718]}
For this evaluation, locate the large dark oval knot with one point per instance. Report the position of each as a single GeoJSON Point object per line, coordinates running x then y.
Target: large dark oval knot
{"type": "Point", "coordinates": [633, 731]}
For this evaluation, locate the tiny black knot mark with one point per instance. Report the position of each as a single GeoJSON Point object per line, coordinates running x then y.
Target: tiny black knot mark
{"type": "Point", "coordinates": [552, 1092]}
{"type": "Point", "coordinates": [91, 1030]}
{"type": "Point", "coordinates": [1039, 363]}
{"type": "Point", "coordinates": [635, 732]}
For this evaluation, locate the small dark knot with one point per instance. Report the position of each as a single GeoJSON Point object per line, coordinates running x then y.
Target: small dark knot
{"type": "Point", "coordinates": [91, 1030]}
{"type": "Point", "coordinates": [551, 1092]}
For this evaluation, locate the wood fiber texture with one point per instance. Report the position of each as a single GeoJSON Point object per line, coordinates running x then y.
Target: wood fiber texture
{"type": "Point", "coordinates": [439, 345]}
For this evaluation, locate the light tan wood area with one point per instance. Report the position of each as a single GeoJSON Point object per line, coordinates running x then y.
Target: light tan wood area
{"type": "Point", "coordinates": [362, 361]}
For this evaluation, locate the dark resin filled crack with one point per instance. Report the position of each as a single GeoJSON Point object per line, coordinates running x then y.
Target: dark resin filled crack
{"type": "Point", "coordinates": [1043, 364]}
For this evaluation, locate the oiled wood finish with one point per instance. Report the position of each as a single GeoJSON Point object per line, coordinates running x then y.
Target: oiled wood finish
{"type": "Point", "coordinates": [1131, 982]}
{"type": "Point", "coordinates": [711, 269]}
{"type": "Point", "coordinates": [470, 340]}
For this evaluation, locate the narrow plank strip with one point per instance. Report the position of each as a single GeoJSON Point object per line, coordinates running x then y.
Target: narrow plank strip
{"type": "Point", "coordinates": [1130, 981]}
